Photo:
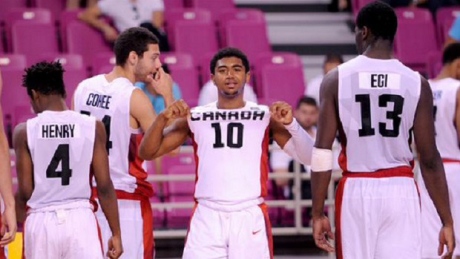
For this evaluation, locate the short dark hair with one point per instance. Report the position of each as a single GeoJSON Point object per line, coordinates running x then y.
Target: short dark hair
{"type": "Point", "coordinates": [451, 53]}
{"type": "Point", "coordinates": [46, 78]}
{"type": "Point", "coordinates": [134, 39]}
{"type": "Point", "coordinates": [380, 19]}
{"type": "Point", "coordinates": [227, 53]}
{"type": "Point", "coordinates": [332, 57]}
{"type": "Point", "coordinates": [306, 100]}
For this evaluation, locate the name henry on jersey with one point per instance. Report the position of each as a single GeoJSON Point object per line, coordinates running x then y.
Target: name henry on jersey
{"type": "Point", "coordinates": [228, 115]}
{"type": "Point", "coordinates": [58, 131]}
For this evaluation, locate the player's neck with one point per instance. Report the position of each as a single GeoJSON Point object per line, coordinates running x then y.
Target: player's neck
{"type": "Point", "coordinates": [118, 72]}
{"type": "Point", "coordinates": [379, 50]}
{"type": "Point", "coordinates": [235, 103]}
{"type": "Point", "coordinates": [56, 104]}
{"type": "Point", "coordinates": [445, 73]}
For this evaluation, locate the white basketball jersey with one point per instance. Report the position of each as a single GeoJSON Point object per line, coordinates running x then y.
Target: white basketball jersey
{"type": "Point", "coordinates": [231, 148]}
{"type": "Point", "coordinates": [445, 102]}
{"type": "Point", "coordinates": [61, 147]}
{"type": "Point", "coordinates": [110, 103]}
{"type": "Point", "coordinates": [377, 100]}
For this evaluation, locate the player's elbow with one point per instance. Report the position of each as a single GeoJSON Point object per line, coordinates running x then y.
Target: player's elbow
{"type": "Point", "coordinates": [145, 154]}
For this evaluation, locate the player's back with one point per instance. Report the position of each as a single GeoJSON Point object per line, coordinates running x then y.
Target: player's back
{"type": "Point", "coordinates": [377, 100]}
{"type": "Point", "coordinates": [231, 147]}
{"type": "Point", "coordinates": [61, 147]}
{"type": "Point", "coordinates": [445, 104]}
{"type": "Point", "coordinates": [110, 103]}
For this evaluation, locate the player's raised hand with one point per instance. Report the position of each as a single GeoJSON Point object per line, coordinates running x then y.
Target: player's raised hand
{"type": "Point", "coordinates": [115, 247]}
{"type": "Point", "coordinates": [9, 226]}
{"type": "Point", "coordinates": [446, 238]}
{"type": "Point", "coordinates": [177, 109]}
{"type": "Point", "coordinates": [322, 233]}
{"type": "Point", "coordinates": [161, 82]}
{"type": "Point", "coordinates": [281, 112]}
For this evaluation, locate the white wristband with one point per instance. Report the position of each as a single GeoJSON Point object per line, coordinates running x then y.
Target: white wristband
{"type": "Point", "coordinates": [321, 160]}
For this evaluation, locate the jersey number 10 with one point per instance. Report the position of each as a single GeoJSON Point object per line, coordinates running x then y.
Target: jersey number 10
{"type": "Point", "coordinates": [232, 128]}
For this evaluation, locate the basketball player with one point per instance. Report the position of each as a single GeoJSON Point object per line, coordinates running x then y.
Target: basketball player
{"type": "Point", "coordinates": [230, 138]}
{"type": "Point", "coordinates": [127, 112]}
{"type": "Point", "coordinates": [374, 101]}
{"type": "Point", "coordinates": [446, 97]}
{"type": "Point", "coordinates": [57, 152]}
{"type": "Point", "coordinates": [8, 219]}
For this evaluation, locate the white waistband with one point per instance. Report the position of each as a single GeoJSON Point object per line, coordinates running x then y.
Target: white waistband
{"type": "Point", "coordinates": [229, 207]}
{"type": "Point", "coordinates": [80, 204]}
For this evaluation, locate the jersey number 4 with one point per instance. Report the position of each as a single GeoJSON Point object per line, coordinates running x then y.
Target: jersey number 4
{"type": "Point", "coordinates": [232, 128]}
{"type": "Point", "coordinates": [61, 156]}
{"type": "Point", "coordinates": [394, 115]}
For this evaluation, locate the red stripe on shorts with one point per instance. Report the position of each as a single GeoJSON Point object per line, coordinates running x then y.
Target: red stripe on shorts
{"type": "Point", "coordinates": [268, 228]}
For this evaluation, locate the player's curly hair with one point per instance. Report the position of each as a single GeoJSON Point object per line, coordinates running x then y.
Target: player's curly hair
{"type": "Point", "coordinates": [227, 53]}
{"type": "Point", "coordinates": [46, 78]}
{"type": "Point", "coordinates": [380, 19]}
{"type": "Point", "coordinates": [135, 39]}
{"type": "Point", "coordinates": [451, 53]}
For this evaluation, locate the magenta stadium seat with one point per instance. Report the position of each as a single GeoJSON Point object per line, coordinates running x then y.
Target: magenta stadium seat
{"type": "Point", "coordinates": [85, 41]}
{"type": "Point", "coordinates": [7, 5]}
{"type": "Point", "coordinates": [69, 61]}
{"type": "Point", "coordinates": [180, 191]}
{"type": "Point", "coordinates": [434, 64]}
{"type": "Point", "coordinates": [22, 114]}
{"type": "Point", "coordinates": [103, 63]}
{"type": "Point", "coordinates": [204, 67]}
{"type": "Point", "coordinates": [173, 4]}
{"type": "Point", "coordinates": [284, 82]}
{"type": "Point", "coordinates": [196, 38]}
{"type": "Point", "coordinates": [25, 15]}
{"type": "Point", "coordinates": [215, 6]}
{"type": "Point", "coordinates": [249, 36]}
{"type": "Point", "coordinates": [12, 62]}
{"type": "Point", "coordinates": [414, 26]}
{"type": "Point", "coordinates": [240, 14]}
{"type": "Point", "coordinates": [29, 14]}
{"type": "Point", "coordinates": [23, 34]}
{"type": "Point", "coordinates": [172, 17]}
{"type": "Point", "coordinates": [184, 73]}
{"type": "Point", "coordinates": [66, 17]}
{"type": "Point", "coordinates": [181, 159]}
{"type": "Point", "coordinates": [56, 7]}
{"type": "Point", "coordinates": [13, 94]}
{"type": "Point", "coordinates": [445, 17]}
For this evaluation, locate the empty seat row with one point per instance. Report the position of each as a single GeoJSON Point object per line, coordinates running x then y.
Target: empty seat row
{"type": "Point", "coordinates": [190, 30]}
{"type": "Point", "coordinates": [56, 7]}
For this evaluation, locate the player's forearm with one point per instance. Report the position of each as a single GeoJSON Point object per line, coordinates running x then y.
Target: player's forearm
{"type": "Point", "coordinates": [151, 142]}
{"type": "Point", "coordinates": [300, 145]}
{"type": "Point", "coordinates": [21, 203]}
{"type": "Point", "coordinates": [109, 205]}
{"type": "Point", "coordinates": [6, 184]}
{"type": "Point", "coordinates": [436, 185]}
{"type": "Point", "coordinates": [319, 185]}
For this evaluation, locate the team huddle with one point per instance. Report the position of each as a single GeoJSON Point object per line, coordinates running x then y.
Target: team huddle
{"type": "Point", "coordinates": [83, 193]}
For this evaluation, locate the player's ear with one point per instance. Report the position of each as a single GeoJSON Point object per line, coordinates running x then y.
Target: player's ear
{"type": "Point", "coordinates": [365, 33]}
{"type": "Point", "coordinates": [132, 57]}
{"type": "Point", "coordinates": [35, 95]}
{"type": "Point", "coordinates": [213, 79]}
{"type": "Point", "coordinates": [248, 76]}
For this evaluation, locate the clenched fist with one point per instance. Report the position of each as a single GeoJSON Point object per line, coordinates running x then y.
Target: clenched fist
{"type": "Point", "coordinates": [281, 112]}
